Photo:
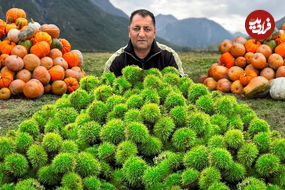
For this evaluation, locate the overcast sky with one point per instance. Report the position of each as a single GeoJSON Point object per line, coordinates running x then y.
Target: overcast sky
{"type": "Point", "coordinates": [231, 14]}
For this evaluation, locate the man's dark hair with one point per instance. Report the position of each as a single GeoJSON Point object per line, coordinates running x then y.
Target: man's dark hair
{"type": "Point", "coordinates": [143, 13]}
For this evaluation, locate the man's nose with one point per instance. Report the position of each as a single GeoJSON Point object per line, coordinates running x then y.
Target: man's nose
{"type": "Point", "coordinates": [141, 32]}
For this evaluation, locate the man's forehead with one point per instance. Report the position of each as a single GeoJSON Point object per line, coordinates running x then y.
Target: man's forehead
{"type": "Point", "coordinates": [138, 19]}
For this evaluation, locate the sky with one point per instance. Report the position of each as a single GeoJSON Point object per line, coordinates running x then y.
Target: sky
{"type": "Point", "coordinates": [231, 14]}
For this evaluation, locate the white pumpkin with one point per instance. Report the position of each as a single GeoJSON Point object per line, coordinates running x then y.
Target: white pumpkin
{"type": "Point", "coordinates": [277, 90]}
{"type": "Point", "coordinates": [80, 57]}
{"type": "Point", "coordinates": [35, 25]}
{"type": "Point", "coordinates": [13, 35]}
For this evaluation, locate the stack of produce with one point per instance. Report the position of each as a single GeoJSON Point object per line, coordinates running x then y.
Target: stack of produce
{"type": "Point", "coordinates": [34, 60]}
{"type": "Point", "coordinates": [144, 130]}
{"type": "Point", "coordinates": [248, 67]}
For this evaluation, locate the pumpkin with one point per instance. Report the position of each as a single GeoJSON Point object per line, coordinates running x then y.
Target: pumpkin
{"type": "Point", "coordinates": [57, 73]}
{"type": "Point", "coordinates": [5, 69]}
{"type": "Point", "coordinates": [225, 46]}
{"type": "Point", "coordinates": [268, 73]}
{"type": "Point", "coordinates": [219, 72]}
{"type": "Point", "coordinates": [236, 87]}
{"type": "Point", "coordinates": [80, 57]}
{"type": "Point", "coordinates": [250, 67]}
{"type": "Point", "coordinates": [224, 85]}
{"type": "Point", "coordinates": [60, 61]}
{"type": "Point", "coordinates": [51, 29]}
{"type": "Point", "coordinates": [251, 45]}
{"type": "Point", "coordinates": [240, 39]}
{"type": "Point", "coordinates": [277, 90]}
{"type": "Point", "coordinates": [5, 79]}
{"type": "Point", "coordinates": [210, 83]}
{"type": "Point", "coordinates": [72, 59]}
{"type": "Point", "coordinates": [200, 80]}
{"type": "Point", "coordinates": [275, 61]}
{"type": "Point", "coordinates": [43, 36]}
{"type": "Point", "coordinates": [78, 69]}
{"type": "Point", "coordinates": [26, 34]}
{"type": "Point", "coordinates": [66, 47]}
{"type": "Point", "coordinates": [35, 25]}
{"type": "Point", "coordinates": [265, 50]}
{"type": "Point", "coordinates": [42, 74]}
{"type": "Point", "coordinates": [71, 83]}
{"type": "Point", "coordinates": [2, 59]}
{"type": "Point", "coordinates": [237, 49]}
{"type": "Point", "coordinates": [19, 50]}
{"type": "Point", "coordinates": [25, 75]}
{"type": "Point", "coordinates": [257, 87]}
{"type": "Point", "coordinates": [14, 13]}
{"type": "Point", "coordinates": [234, 73]}
{"type": "Point", "coordinates": [240, 61]}
{"type": "Point", "coordinates": [10, 27]}
{"type": "Point", "coordinates": [5, 93]}
{"type": "Point", "coordinates": [14, 63]}
{"type": "Point", "coordinates": [47, 62]}
{"type": "Point", "coordinates": [33, 89]}
{"type": "Point", "coordinates": [246, 76]}
{"type": "Point", "coordinates": [280, 49]}
{"type": "Point", "coordinates": [21, 22]}
{"type": "Point", "coordinates": [6, 46]}
{"type": "Point", "coordinates": [47, 88]}
{"type": "Point", "coordinates": [16, 87]}
{"type": "Point", "coordinates": [280, 72]}
{"type": "Point", "coordinates": [2, 27]}
{"type": "Point", "coordinates": [248, 57]}
{"type": "Point", "coordinates": [54, 53]}
{"type": "Point", "coordinates": [31, 61]}
{"type": "Point", "coordinates": [258, 60]}
{"type": "Point", "coordinates": [13, 35]}
{"type": "Point", "coordinates": [56, 44]}
{"type": "Point", "coordinates": [40, 49]}
{"type": "Point", "coordinates": [72, 73]}
{"type": "Point", "coordinates": [227, 59]}
{"type": "Point", "coordinates": [27, 44]}
{"type": "Point", "coordinates": [58, 87]}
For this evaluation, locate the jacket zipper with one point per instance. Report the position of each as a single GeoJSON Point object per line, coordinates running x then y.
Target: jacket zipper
{"type": "Point", "coordinates": [140, 61]}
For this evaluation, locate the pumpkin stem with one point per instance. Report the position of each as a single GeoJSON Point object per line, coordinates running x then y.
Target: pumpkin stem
{"type": "Point", "coordinates": [32, 21]}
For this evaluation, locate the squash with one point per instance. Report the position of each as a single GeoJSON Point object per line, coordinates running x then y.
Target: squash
{"type": "Point", "coordinates": [5, 93]}
{"type": "Point", "coordinates": [51, 29]}
{"type": "Point", "coordinates": [13, 35]}
{"type": "Point", "coordinates": [2, 27]}
{"type": "Point", "coordinates": [56, 44]}
{"type": "Point", "coordinates": [17, 86]}
{"type": "Point", "coordinates": [40, 49]}
{"type": "Point", "coordinates": [31, 61]}
{"type": "Point", "coordinates": [58, 87]}
{"type": "Point", "coordinates": [19, 50]}
{"type": "Point", "coordinates": [14, 63]}
{"type": "Point", "coordinates": [33, 89]}
{"type": "Point", "coordinates": [257, 87]}
{"type": "Point", "coordinates": [26, 34]}
{"type": "Point", "coordinates": [80, 57]}
{"type": "Point", "coordinates": [35, 25]}
{"type": "Point", "coordinates": [54, 53]}
{"type": "Point", "coordinates": [14, 13]}
{"type": "Point", "coordinates": [21, 22]}
{"type": "Point", "coordinates": [25, 75]}
{"type": "Point", "coordinates": [27, 44]}
{"type": "Point", "coordinates": [47, 62]}
{"type": "Point", "coordinates": [43, 36]}
{"type": "Point", "coordinates": [42, 74]}
{"type": "Point", "coordinates": [5, 79]}
{"type": "Point", "coordinates": [6, 46]}
{"type": "Point", "coordinates": [277, 90]}
{"type": "Point", "coordinates": [71, 83]}
{"type": "Point", "coordinates": [57, 72]}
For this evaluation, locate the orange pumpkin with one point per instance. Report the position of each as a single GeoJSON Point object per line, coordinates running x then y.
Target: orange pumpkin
{"type": "Point", "coordinates": [251, 67]}
{"type": "Point", "coordinates": [9, 27]}
{"type": "Point", "coordinates": [227, 59]}
{"type": "Point", "coordinates": [14, 13]}
{"type": "Point", "coordinates": [5, 79]}
{"type": "Point", "coordinates": [72, 73]}
{"type": "Point", "coordinates": [19, 50]}
{"type": "Point", "coordinates": [251, 45]}
{"type": "Point", "coordinates": [25, 75]}
{"type": "Point", "coordinates": [5, 93]}
{"type": "Point", "coordinates": [47, 62]}
{"type": "Point", "coordinates": [51, 29]}
{"type": "Point", "coordinates": [280, 49]}
{"type": "Point", "coordinates": [258, 60]}
{"type": "Point", "coordinates": [265, 50]}
{"type": "Point", "coordinates": [235, 72]}
{"type": "Point", "coordinates": [240, 61]}
{"type": "Point", "coordinates": [66, 47]}
{"type": "Point", "coordinates": [31, 61]}
{"type": "Point", "coordinates": [238, 49]}
{"type": "Point", "coordinates": [80, 56]}
{"type": "Point", "coordinates": [54, 53]}
{"type": "Point", "coordinates": [2, 59]}
{"type": "Point", "coordinates": [60, 61]}
{"type": "Point", "coordinates": [6, 46]}
{"type": "Point", "coordinates": [58, 87]}
{"type": "Point", "coordinates": [210, 83]}
{"type": "Point", "coordinates": [71, 83]}
{"type": "Point", "coordinates": [268, 73]}
{"type": "Point", "coordinates": [225, 46]}
{"type": "Point", "coordinates": [5, 69]}
{"type": "Point", "coordinates": [248, 57]}
{"type": "Point", "coordinates": [57, 73]}
{"type": "Point", "coordinates": [247, 76]}
{"type": "Point", "coordinates": [43, 36]}
{"type": "Point", "coordinates": [72, 58]}
{"type": "Point", "coordinates": [275, 61]}
{"type": "Point", "coordinates": [236, 87]}
{"type": "Point", "coordinates": [224, 85]}
{"type": "Point", "coordinates": [40, 49]}
{"type": "Point", "coordinates": [219, 72]}
{"type": "Point", "coordinates": [33, 89]}
{"type": "Point", "coordinates": [16, 87]}
{"type": "Point", "coordinates": [21, 22]}
{"type": "Point", "coordinates": [41, 73]}
{"type": "Point", "coordinates": [14, 63]}
{"type": "Point", "coordinates": [2, 27]}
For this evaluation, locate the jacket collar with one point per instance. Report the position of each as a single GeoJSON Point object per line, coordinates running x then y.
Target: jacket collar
{"type": "Point", "coordinates": [154, 49]}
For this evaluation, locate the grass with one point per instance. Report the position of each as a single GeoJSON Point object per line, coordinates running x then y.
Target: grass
{"type": "Point", "coordinates": [16, 110]}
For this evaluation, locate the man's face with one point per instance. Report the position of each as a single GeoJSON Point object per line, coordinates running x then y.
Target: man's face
{"type": "Point", "coordinates": [141, 32]}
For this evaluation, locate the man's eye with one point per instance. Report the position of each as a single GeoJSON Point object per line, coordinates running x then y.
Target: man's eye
{"type": "Point", "coordinates": [136, 28]}
{"type": "Point", "coordinates": [147, 29]}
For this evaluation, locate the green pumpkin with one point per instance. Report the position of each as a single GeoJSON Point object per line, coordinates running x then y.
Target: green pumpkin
{"type": "Point", "coordinates": [26, 34]}
{"type": "Point", "coordinates": [27, 44]}
{"type": "Point", "coordinates": [56, 44]}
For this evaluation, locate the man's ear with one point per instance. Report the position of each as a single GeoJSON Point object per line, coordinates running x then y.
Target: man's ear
{"type": "Point", "coordinates": [154, 32]}
{"type": "Point", "coordinates": [129, 31]}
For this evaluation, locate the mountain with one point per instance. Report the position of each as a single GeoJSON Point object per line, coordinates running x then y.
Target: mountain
{"type": "Point", "coordinates": [83, 23]}
{"type": "Point", "coordinates": [192, 32]}
{"type": "Point", "coordinates": [279, 23]}
{"type": "Point", "coordinates": [109, 8]}
{"type": "Point", "coordinates": [162, 21]}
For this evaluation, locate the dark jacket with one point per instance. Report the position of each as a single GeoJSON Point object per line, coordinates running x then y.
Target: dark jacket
{"type": "Point", "coordinates": [157, 58]}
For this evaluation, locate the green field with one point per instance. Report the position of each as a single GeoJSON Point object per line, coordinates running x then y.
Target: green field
{"type": "Point", "coordinates": [17, 109]}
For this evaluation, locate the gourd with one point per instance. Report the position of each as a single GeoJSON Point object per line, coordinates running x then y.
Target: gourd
{"type": "Point", "coordinates": [277, 90]}
{"type": "Point", "coordinates": [26, 34]}
{"type": "Point", "coordinates": [257, 87]}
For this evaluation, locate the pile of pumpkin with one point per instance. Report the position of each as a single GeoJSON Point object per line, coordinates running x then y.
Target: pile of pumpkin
{"type": "Point", "coordinates": [250, 67]}
{"type": "Point", "coordinates": [33, 60]}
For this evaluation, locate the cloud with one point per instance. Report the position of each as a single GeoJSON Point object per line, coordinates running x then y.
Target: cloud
{"type": "Point", "coordinates": [231, 14]}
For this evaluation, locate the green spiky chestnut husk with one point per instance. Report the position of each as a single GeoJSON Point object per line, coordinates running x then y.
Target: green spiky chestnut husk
{"type": "Point", "coordinates": [173, 100]}
{"type": "Point", "coordinates": [92, 183]}
{"type": "Point", "coordinates": [31, 184]}
{"type": "Point", "coordinates": [66, 115]}
{"type": "Point", "coordinates": [262, 140]}
{"type": "Point", "coordinates": [97, 111]}
{"type": "Point", "coordinates": [163, 128]}
{"type": "Point", "coordinates": [151, 147]}
{"type": "Point", "coordinates": [133, 115]}
{"type": "Point", "coordinates": [87, 165]}
{"type": "Point", "coordinates": [106, 151]}
{"type": "Point", "coordinates": [7, 147]}
{"type": "Point", "coordinates": [37, 156]}
{"type": "Point", "coordinates": [47, 176]}
{"type": "Point", "coordinates": [150, 112]}
{"type": "Point", "coordinates": [16, 164]}
{"type": "Point", "coordinates": [125, 150]}
{"type": "Point", "coordinates": [190, 177]}
{"type": "Point", "coordinates": [69, 146]}
{"type": "Point", "coordinates": [72, 181]}
{"type": "Point", "coordinates": [247, 154]}
{"type": "Point", "coordinates": [89, 132]}
{"type": "Point", "coordinates": [234, 138]}
{"type": "Point", "coordinates": [63, 163]}
{"type": "Point", "coordinates": [208, 177]}
{"type": "Point", "coordinates": [278, 148]}
{"type": "Point", "coordinates": [150, 96]}
{"type": "Point", "coordinates": [107, 78]}
{"type": "Point", "coordinates": [152, 82]}
{"type": "Point", "coordinates": [220, 158]}
{"type": "Point", "coordinates": [196, 158]}
{"type": "Point", "coordinates": [113, 131]}
{"type": "Point", "coordinates": [205, 103]}
{"type": "Point", "coordinates": [196, 91]}
{"type": "Point", "coordinates": [52, 142]}
{"type": "Point", "coordinates": [79, 99]}
{"type": "Point", "coordinates": [267, 165]}
{"type": "Point", "coordinates": [221, 121]}
{"type": "Point", "coordinates": [184, 139]}
{"type": "Point", "coordinates": [137, 132]}
{"type": "Point", "coordinates": [89, 83]}
{"type": "Point", "coordinates": [30, 126]}
{"type": "Point", "coordinates": [132, 73]}
{"type": "Point", "coordinates": [235, 172]}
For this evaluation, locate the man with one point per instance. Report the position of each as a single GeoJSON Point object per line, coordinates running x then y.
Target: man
{"type": "Point", "coordinates": [142, 49]}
